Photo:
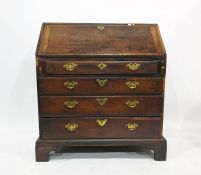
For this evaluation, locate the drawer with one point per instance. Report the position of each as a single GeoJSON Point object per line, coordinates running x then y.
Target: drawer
{"type": "Point", "coordinates": [101, 67]}
{"type": "Point", "coordinates": [93, 127]}
{"type": "Point", "coordinates": [68, 85]}
{"type": "Point", "coordinates": [100, 105]}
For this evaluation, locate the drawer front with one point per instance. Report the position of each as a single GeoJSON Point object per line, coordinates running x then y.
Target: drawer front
{"type": "Point", "coordinates": [93, 127]}
{"type": "Point", "coordinates": [68, 85]}
{"type": "Point", "coordinates": [102, 105]}
{"type": "Point", "coordinates": [104, 67]}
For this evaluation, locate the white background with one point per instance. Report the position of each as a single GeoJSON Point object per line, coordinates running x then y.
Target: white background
{"type": "Point", "coordinates": [180, 26]}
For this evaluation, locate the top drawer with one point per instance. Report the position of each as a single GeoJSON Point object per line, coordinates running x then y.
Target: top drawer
{"type": "Point", "coordinates": [100, 67]}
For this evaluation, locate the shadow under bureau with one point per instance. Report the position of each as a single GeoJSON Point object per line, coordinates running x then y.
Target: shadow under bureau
{"type": "Point", "coordinates": [100, 85]}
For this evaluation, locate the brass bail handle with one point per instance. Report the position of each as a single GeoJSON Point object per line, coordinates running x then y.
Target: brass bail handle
{"type": "Point", "coordinates": [70, 104]}
{"type": "Point", "coordinates": [131, 126]}
{"type": "Point", "coordinates": [132, 103]}
{"type": "Point", "coordinates": [71, 126]}
{"type": "Point", "coordinates": [133, 66]}
{"type": "Point", "coordinates": [70, 66]}
{"type": "Point", "coordinates": [132, 84]}
{"type": "Point", "coordinates": [70, 84]}
{"type": "Point", "coordinates": [102, 66]}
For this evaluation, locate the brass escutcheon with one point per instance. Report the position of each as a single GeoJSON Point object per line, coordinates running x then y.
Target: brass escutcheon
{"type": "Point", "coordinates": [71, 126]}
{"type": "Point", "coordinates": [70, 84]}
{"type": "Point", "coordinates": [101, 101]}
{"type": "Point", "coordinates": [70, 66]}
{"type": "Point", "coordinates": [132, 84]}
{"type": "Point", "coordinates": [102, 66]}
{"type": "Point", "coordinates": [101, 122]}
{"type": "Point", "coordinates": [131, 126]}
{"type": "Point", "coordinates": [100, 27]}
{"type": "Point", "coordinates": [133, 66]}
{"type": "Point", "coordinates": [132, 104]}
{"type": "Point", "coordinates": [70, 104]}
{"type": "Point", "coordinates": [101, 82]}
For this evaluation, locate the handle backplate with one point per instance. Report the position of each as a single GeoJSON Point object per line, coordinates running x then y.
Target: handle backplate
{"type": "Point", "coordinates": [131, 126]}
{"type": "Point", "coordinates": [102, 66]}
{"type": "Point", "coordinates": [70, 66]}
{"type": "Point", "coordinates": [71, 126]}
{"type": "Point", "coordinates": [70, 104]}
{"type": "Point", "coordinates": [70, 84]}
{"type": "Point", "coordinates": [132, 103]}
{"type": "Point", "coordinates": [132, 84]}
{"type": "Point", "coordinates": [133, 66]}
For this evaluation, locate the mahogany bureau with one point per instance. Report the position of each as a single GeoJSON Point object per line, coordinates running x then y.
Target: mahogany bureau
{"type": "Point", "coordinates": [100, 85]}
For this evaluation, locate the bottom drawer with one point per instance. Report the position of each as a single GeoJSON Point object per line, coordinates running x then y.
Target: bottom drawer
{"type": "Point", "coordinates": [93, 127]}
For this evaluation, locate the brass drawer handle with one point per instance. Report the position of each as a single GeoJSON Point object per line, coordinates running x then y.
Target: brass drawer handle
{"type": "Point", "coordinates": [70, 66]}
{"type": "Point", "coordinates": [70, 104]}
{"type": "Point", "coordinates": [101, 122]}
{"type": "Point", "coordinates": [132, 84]}
{"type": "Point", "coordinates": [131, 126]}
{"type": "Point", "coordinates": [101, 101]}
{"type": "Point", "coordinates": [71, 126]}
{"type": "Point", "coordinates": [102, 66]}
{"type": "Point", "coordinates": [133, 66]}
{"type": "Point", "coordinates": [70, 84]}
{"type": "Point", "coordinates": [102, 82]}
{"type": "Point", "coordinates": [132, 104]}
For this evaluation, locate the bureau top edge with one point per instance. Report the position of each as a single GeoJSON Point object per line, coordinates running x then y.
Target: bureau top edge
{"type": "Point", "coordinates": [86, 40]}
